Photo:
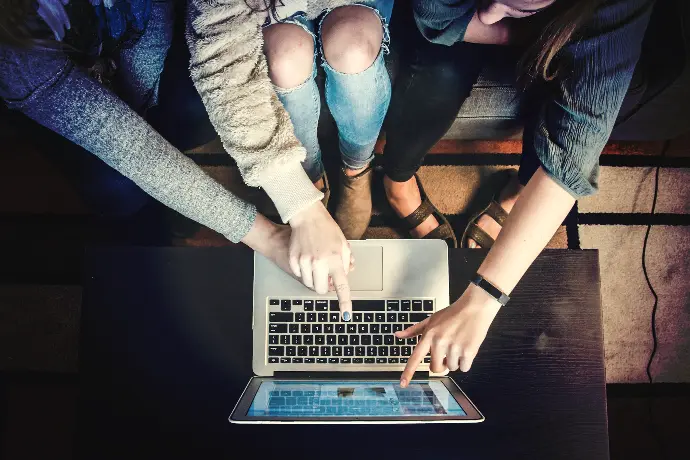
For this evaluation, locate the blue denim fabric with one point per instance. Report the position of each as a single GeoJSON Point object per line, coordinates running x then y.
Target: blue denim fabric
{"type": "Point", "coordinates": [358, 102]}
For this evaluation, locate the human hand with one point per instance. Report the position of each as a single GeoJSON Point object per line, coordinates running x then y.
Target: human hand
{"type": "Point", "coordinates": [54, 15]}
{"type": "Point", "coordinates": [319, 252]}
{"type": "Point", "coordinates": [453, 335]}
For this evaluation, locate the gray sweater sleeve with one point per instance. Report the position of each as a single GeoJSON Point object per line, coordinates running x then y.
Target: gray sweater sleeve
{"type": "Point", "coordinates": [49, 89]}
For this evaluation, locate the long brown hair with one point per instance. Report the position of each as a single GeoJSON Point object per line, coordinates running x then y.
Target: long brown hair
{"type": "Point", "coordinates": [568, 18]}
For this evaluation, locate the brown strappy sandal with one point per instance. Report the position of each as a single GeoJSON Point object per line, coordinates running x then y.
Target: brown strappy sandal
{"type": "Point", "coordinates": [493, 210]}
{"type": "Point", "coordinates": [443, 232]}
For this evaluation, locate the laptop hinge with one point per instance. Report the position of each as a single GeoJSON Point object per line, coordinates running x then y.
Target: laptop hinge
{"type": "Point", "coordinates": [300, 375]}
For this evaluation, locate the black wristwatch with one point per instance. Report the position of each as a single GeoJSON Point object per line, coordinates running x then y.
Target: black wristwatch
{"type": "Point", "coordinates": [490, 289]}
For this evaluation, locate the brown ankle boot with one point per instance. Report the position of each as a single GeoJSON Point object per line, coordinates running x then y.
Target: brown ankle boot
{"type": "Point", "coordinates": [353, 212]}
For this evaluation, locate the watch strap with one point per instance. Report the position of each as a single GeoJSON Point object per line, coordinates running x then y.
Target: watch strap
{"type": "Point", "coordinates": [490, 289]}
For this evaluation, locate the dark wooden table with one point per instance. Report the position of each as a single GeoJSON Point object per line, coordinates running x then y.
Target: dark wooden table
{"type": "Point", "coordinates": [166, 352]}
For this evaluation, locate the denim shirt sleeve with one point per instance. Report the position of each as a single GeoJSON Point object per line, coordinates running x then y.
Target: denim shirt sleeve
{"type": "Point", "coordinates": [46, 86]}
{"type": "Point", "coordinates": [443, 22]}
{"type": "Point", "coordinates": [576, 120]}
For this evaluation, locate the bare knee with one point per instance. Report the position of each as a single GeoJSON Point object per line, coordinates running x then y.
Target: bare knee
{"type": "Point", "coordinates": [289, 51]}
{"type": "Point", "coordinates": [351, 37]}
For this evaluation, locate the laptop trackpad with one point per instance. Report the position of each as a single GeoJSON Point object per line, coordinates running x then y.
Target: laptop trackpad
{"type": "Point", "coordinates": [368, 273]}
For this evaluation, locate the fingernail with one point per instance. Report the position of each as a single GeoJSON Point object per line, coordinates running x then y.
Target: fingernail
{"type": "Point", "coordinates": [346, 316]}
{"type": "Point", "coordinates": [403, 382]}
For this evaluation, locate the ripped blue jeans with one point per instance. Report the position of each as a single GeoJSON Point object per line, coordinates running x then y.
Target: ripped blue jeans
{"type": "Point", "coordinates": [358, 102]}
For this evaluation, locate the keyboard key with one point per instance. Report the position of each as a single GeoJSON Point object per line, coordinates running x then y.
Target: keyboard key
{"type": "Point", "coordinates": [406, 350]}
{"type": "Point", "coordinates": [299, 317]}
{"type": "Point", "coordinates": [272, 360]}
{"type": "Point", "coordinates": [386, 329]}
{"type": "Point", "coordinates": [357, 360]}
{"type": "Point", "coordinates": [369, 360]}
{"type": "Point", "coordinates": [360, 351]}
{"type": "Point", "coordinates": [284, 360]}
{"type": "Point", "coordinates": [427, 359]}
{"type": "Point", "coordinates": [395, 351]}
{"type": "Point", "coordinates": [377, 339]}
{"type": "Point", "coordinates": [275, 317]}
{"type": "Point", "coordinates": [403, 360]}
{"type": "Point", "coordinates": [412, 341]}
{"type": "Point", "coordinates": [321, 305]}
{"type": "Point", "coordinates": [297, 302]}
{"type": "Point", "coordinates": [323, 317]}
{"type": "Point", "coordinates": [277, 328]}
{"type": "Point", "coordinates": [403, 317]}
{"type": "Point", "coordinates": [308, 305]}
{"type": "Point", "coordinates": [392, 317]}
{"type": "Point", "coordinates": [362, 328]}
{"type": "Point", "coordinates": [301, 351]}
{"type": "Point", "coordinates": [365, 339]}
{"type": "Point", "coordinates": [354, 340]}
{"type": "Point", "coordinates": [368, 305]}
{"type": "Point", "coordinates": [328, 329]}
{"type": "Point", "coordinates": [325, 351]}
{"type": "Point", "coordinates": [368, 317]}
{"type": "Point", "coordinates": [335, 305]}
{"type": "Point", "coordinates": [311, 317]}
{"type": "Point", "coordinates": [371, 351]}
{"type": "Point", "coordinates": [331, 339]}
{"type": "Point", "coordinates": [285, 305]}
{"type": "Point", "coordinates": [393, 360]}
{"type": "Point", "coordinates": [285, 340]}
{"type": "Point", "coordinates": [297, 360]}
{"type": "Point", "coordinates": [351, 328]}
{"type": "Point", "coordinates": [316, 328]}
{"type": "Point", "coordinates": [334, 317]}
{"type": "Point", "coordinates": [320, 339]}
{"type": "Point", "coordinates": [357, 317]}
{"type": "Point", "coordinates": [293, 328]}
{"type": "Point", "coordinates": [381, 361]}
{"type": "Point", "coordinates": [337, 351]}
{"type": "Point", "coordinates": [405, 305]}
{"type": "Point", "coordinates": [342, 340]}
{"type": "Point", "coordinates": [397, 327]}
{"type": "Point", "coordinates": [407, 326]}
{"type": "Point", "coordinates": [428, 305]}
{"type": "Point", "coordinates": [345, 360]}
{"type": "Point", "coordinates": [383, 351]}
{"type": "Point", "coordinates": [273, 339]}
{"type": "Point", "coordinates": [276, 351]}
{"type": "Point", "coordinates": [321, 360]}
{"type": "Point", "coordinates": [274, 302]}
{"type": "Point", "coordinates": [399, 341]}
{"type": "Point", "coordinates": [388, 339]}
{"type": "Point", "coordinates": [333, 360]}
{"type": "Point", "coordinates": [313, 351]}
{"type": "Point", "coordinates": [374, 328]}
{"type": "Point", "coordinates": [308, 339]}
{"type": "Point", "coordinates": [349, 351]}
{"type": "Point", "coordinates": [380, 317]}
{"type": "Point", "coordinates": [309, 360]}
{"type": "Point", "coordinates": [297, 340]}
{"type": "Point", "coordinates": [340, 328]}
{"type": "Point", "coordinates": [393, 305]}
{"type": "Point", "coordinates": [305, 328]}
{"type": "Point", "coordinates": [416, 305]}
{"type": "Point", "coordinates": [417, 317]}
{"type": "Point", "coordinates": [291, 351]}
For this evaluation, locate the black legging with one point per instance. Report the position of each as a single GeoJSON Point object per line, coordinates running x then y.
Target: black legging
{"type": "Point", "coordinates": [431, 86]}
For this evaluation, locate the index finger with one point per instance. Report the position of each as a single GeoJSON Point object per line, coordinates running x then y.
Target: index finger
{"type": "Point", "coordinates": [415, 360]}
{"type": "Point", "coordinates": [342, 290]}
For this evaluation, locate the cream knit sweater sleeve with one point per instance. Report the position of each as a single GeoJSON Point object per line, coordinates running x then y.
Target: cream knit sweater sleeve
{"type": "Point", "coordinates": [230, 73]}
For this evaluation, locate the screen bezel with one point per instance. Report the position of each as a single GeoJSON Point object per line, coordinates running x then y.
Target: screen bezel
{"type": "Point", "coordinates": [239, 413]}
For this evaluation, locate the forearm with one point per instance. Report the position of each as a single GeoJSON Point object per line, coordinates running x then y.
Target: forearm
{"type": "Point", "coordinates": [537, 214]}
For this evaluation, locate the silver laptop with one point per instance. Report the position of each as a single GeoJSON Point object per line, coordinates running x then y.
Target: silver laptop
{"type": "Point", "coordinates": [311, 367]}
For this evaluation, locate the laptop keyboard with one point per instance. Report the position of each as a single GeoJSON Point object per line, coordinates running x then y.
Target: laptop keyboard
{"type": "Point", "coordinates": [306, 331]}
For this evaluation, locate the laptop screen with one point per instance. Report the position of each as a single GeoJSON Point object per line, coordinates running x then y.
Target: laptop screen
{"type": "Point", "coordinates": [353, 398]}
